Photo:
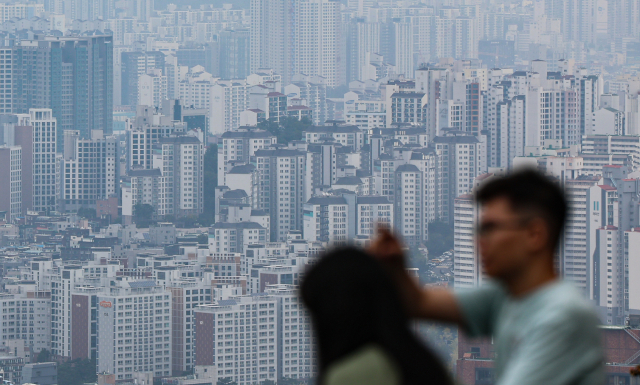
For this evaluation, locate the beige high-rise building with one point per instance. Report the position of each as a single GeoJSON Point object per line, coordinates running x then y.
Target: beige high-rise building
{"type": "Point", "coordinates": [298, 36]}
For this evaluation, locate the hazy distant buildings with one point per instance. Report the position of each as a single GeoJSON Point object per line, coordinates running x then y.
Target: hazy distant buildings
{"type": "Point", "coordinates": [295, 37]}
{"type": "Point", "coordinates": [11, 174]}
{"type": "Point", "coordinates": [152, 89]}
{"type": "Point", "coordinates": [228, 99]}
{"type": "Point", "coordinates": [460, 162]}
{"type": "Point", "coordinates": [143, 187]}
{"type": "Point", "coordinates": [274, 337]}
{"type": "Point", "coordinates": [281, 192]}
{"type": "Point", "coordinates": [238, 147]}
{"type": "Point", "coordinates": [134, 65]}
{"type": "Point", "coordinates": [44, 127]}
{"type": "Point", "coordinates": [89, 170]}
{"type": "Point", "coordinates": [257, 338]}
{"type": "Point", "coordinates": [467, 271]}
{"type": "Point", "coordinates": [234, 54]}
{"type": "Point", "coordinates": [134, 319]}
{"type": "Point", "coordinates": [182, 165]}
{"type": "Point", "coordinates": [77, 85]}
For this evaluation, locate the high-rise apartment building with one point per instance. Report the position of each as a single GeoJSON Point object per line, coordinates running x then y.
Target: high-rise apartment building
{"type": "Point", "coordinates": [27, 315]}
{"type": "Point", "coordinates": [182, 166]}
{"type": "Point", "coordinates": [152, 89]}
{"type": "Point", "coordinates": [281, 192]}
{"type": "Point", "coordinates": [186, 296]}
{"type": "Point", "coordinates": [313, 91]}
{"type": "Point", "coordinates": [575, 264]}
{"type": "Point", "coordinates": [373, 211]}
{"type": "Point", "coordinates": [194, 90]}
{"type": "Point", "coordinates": [459, 163]}
{"type": "Point", "coordinates": [134, 329]}
{"type": "Point", "coordinates": [144, 132]}
{"type": "Point", "coordinates": [89, 170]}
{"type": "Point", "coordinates": [62, 282]}
{"type": "Point", "coordinates": [396, 46]}
{"type": "Point", "coordinates": [297, 352]}
{"type": "Point", "coordinates": [72, 76]}
{"type": "Point", "coordinates": [271, 339]}
{"type": "Point", "coordinates": [325, 220]}
{"type": "Point", "coordinates": [467, 270]}
{"type": "Point", "coordinates": [228, 99]}
{"type": "Point", "coordinates": [144, 186]}
{"type": "Point", "coordinates": [363, 39]}
{"type": "Point", "coordinates": [319, 41]}
{"type": "Point", "coordinates": [6, 84]}
{"type": "Point", "coordinates": [240, 337]}
{"type": "Point", "coordinates": [45, 133]}
{"type": "Point", "coordinates": [237, 148]}
{"type": "Point", "coordinates": [11, 188]}
{"type": "Point", "coordinates": [409, 205]}
{"type": "Point", "coordinates": [613, 144]}
{"type": "Point", "coordinates": [134, 65]}
{"type": "Point", "coordinates": [89, 9]}
{"type": "Point", "coordinates": [235, 237]}
{"type": "Point", "coordinates": [234, 53]}
{"type": "Point", "coordinates": [294, 37]}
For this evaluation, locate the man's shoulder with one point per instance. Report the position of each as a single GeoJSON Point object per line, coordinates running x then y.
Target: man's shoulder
{"type": "Point", "coordinates": [563, 303]}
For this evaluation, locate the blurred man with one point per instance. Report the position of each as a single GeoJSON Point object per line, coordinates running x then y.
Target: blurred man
{"type": "Point", "coordinates": [543, 330]}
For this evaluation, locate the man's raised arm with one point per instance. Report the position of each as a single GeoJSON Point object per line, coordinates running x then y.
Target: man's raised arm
{"type": "Point", "coordinates": [434, 304]}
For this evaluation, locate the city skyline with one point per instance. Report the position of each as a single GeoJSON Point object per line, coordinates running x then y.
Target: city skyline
{"type": "Point", "coordinates": [170, 170]}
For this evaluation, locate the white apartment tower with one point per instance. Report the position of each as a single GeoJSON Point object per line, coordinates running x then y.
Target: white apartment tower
{"type": "Point", "coordinates": [88, 169]}
{"type": "Point", "coordinates": [62, 283]}
{"type": "Point", "coordinates": [576, 265]}
{"type": "Point", "coordinates": [134, 329]}
{"type": "Point", "coordinates": [281, 192]}
{"type": "Point", "coordinates": [298, 36]}
{"type": "Point", "coordinates": [240, 337]}
{"type": "Point", "coordinates": [467, 270]}
{"type": "Point", "coordinates": [152, 88]}
{"type": "Point", "coordinates": [228, 99]}
{"type": "Point", "coordinates": [182, 166]}
{"type": "Point", "coordinates": [319, 45]}
{"type": "Point", "coordinates": [44, 155]}
{"type": "Point", "coordinates": [297, 356]}
{"type": "Point", "coordinates": [186, 296]}
{"type": "Point", "coordinates": [237, 147]}
{"type": "Point", "coordinates": [325, 220]}
{"type": "Point", "coordinates": [27, 316]}
{"type": "Point", "coordinates": [459, 163]}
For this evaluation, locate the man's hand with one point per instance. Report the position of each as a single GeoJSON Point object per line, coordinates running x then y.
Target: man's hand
{"type": "Point", "coordinates": [388, 250]}
{"type": "Point", "coordinates": [437, 304]}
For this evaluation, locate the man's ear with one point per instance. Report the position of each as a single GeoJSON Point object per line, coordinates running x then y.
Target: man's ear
{"type": "Point", "coordinates": [537, 234]}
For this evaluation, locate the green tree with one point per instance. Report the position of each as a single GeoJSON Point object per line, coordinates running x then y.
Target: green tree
{"type": "Point", "coordinates": [44, 356]}
{"type": "Point", "coordinates": [77, 372]}
{"type": "Point", "coordinates": [143, 214]}
{"type": "Point", "coordinates": [88, 213]}
{"type": "Point", "coordinates": [226, 381]}
{"type": "Point", "coordinates": [203, 239]}
{"type": "Point", "coordinates": [288, 129]}
{"type": "Point", "coordinates": [268, 382]}
{"type": "Point", "coordinates": [443, 339]}
{"type": "Point", "coordinates": [440, 238]}
{"type": "Point", "coordinates": [288, 381]}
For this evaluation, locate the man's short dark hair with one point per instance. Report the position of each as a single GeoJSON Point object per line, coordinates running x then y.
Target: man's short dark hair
{"type": "Point", "coordinates": [530, 193]}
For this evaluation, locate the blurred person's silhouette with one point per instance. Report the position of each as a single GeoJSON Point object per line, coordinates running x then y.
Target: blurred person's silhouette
{"type": "Point", "coordinates": [543, 330]}
{"type": "Point", "coordinates": [362, 329]}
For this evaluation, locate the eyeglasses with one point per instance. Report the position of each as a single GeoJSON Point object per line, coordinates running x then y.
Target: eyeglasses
{"type": "Point", "coordinates": [487, 228]}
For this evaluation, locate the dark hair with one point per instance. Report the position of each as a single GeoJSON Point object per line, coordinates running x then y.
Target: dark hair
{"type": "Point", "coordinates": [530, 192]}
